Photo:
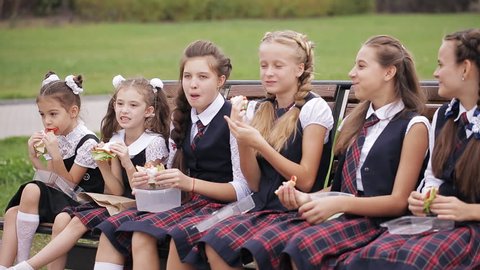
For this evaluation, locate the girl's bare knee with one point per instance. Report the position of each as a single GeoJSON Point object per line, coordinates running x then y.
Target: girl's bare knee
{"type": "Point", "coordinates": [142, 240]}
{"type": "Point", "coordinates": [11, 213]}
{"type": "Point", "coordinates": [61, 221]}
{"type": "Point", "coordinates": [30, 198]}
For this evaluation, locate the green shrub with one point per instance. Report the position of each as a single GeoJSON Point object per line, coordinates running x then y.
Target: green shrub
{"type": "Point", "coordinates": [188, 10]}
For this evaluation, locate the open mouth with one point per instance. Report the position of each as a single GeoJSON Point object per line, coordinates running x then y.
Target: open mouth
{"type": "Point", "coordinates": [124, 119]}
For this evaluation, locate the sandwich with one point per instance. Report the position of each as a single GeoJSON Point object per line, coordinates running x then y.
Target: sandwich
{"type": "Point", "coordinates": [39, 147]}
{"type": "Point", "coordinates": [430, 196]}
{"type": "Point", "coordinates": [103, 152]}
{"type": "Point", "coordinates": [151, 171]}
{"type": "Point", "coordinates": [292, 182]}
{"type": "Point", "coordinates": [237, 99]}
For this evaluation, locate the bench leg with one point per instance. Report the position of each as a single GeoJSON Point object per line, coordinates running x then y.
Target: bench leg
{"type": "Point", "coordinates": [82, 256]}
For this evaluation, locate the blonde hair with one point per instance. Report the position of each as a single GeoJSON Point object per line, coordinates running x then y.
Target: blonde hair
{"type": "Point", "coordinates": [277, 131]}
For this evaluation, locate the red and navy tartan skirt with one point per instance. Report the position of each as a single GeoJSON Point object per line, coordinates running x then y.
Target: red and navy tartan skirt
{"type": "Point", "coordinates": [159, 224]}
{"type": "Point", "coordinates": [227, 237]}
{"type": "Point", "coordinates": [326, 245]}
{"type": "Point", "coordinates": [110, 225]}
{"type": "Point", "coordinates": [90, 214]}
{"type": "Point", "coordinates": [453, 249]}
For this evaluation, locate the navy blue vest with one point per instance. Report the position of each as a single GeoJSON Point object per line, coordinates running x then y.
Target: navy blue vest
{"type": "Point", "coordinates": [265, 198]}
{"type": "Point", "coordinates": [139, 159]}
{"type": "Point", "coordinates": [211, 159]}
{"type": "Point", "coordinates": [380, 166]}
{"type": "Point", "coordinates": [92, 180]}
{"type": "Point", "coordinates": [448, 187]}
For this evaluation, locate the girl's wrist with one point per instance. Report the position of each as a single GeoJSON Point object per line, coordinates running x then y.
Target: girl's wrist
{"type": "Point", "coordinates": [127, 164]}
{"type": "Point", "coordinates": [193, 185]}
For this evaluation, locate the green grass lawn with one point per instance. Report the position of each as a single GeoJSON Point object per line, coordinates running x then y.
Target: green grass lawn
{"type": "Point", "coordinates": [15, 167]}
{"type": "Point", "coordinates": [100, 51]}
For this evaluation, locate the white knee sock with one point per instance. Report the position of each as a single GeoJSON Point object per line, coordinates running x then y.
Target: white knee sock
{"type": "Point", "coordinates": [22, 266]}
{"type": "Point", "coordinates": [107, 266]}
{"type": "Point", "coordinates": [3, 267]}
{"type": "Point", "coordinates": [27, 224]}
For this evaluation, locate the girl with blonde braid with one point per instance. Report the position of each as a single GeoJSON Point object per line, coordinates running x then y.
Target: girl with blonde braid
{"type": "Point", "coordinates": [288, 136]}
{"type": "Point", "coordinates": [382, 147]}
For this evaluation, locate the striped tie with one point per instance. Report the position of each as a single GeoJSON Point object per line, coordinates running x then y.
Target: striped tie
{"type": "Point", "coordinates": [349, 170]}
{"type": "Point", "coordinates": [200, 130]}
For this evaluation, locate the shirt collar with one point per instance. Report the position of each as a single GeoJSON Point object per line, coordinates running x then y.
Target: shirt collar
{"type": "Point", "coordinates": [386, 112]}
{"type": "Point", "coordinates": [209, 113]}
{"type": "Point", "coordinates": [138, 145]}
{"type": "Point", "coordinates": [462, 109]}
{"type": "Point", "coordinates": [79, 129]}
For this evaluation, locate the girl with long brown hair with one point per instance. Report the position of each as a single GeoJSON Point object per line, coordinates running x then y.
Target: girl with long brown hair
{"type": "Point", "coordinates": [453, 170]}
{"type": "Point", "coordinates": [288, 136]}
{"type": "Point", "coordinates": [203, 161]}
{"type": "Point", "coordinates": [382, 145]}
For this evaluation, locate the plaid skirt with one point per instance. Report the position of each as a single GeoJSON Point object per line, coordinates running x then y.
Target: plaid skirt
{"type": "Point", "coordinates": [266, 246]}
{"type": "Point", "coordinates": [453, 249]}
{"type": "Point", "coordinates": [228, 236]}
{"type": "Point", "coordinates": [155, 224]}
{"type": "Point", "coordinates": [185, 234]}
{"type": "Point", "coordinates": [110, 225]}
{"type": "Point", "coordinates": [90, 214]}
{"type": "Point", "coordinates": [326, 245]}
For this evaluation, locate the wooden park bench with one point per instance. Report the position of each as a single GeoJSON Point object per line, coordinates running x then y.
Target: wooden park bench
{"type": "Point", "coordinates": [336, 93]}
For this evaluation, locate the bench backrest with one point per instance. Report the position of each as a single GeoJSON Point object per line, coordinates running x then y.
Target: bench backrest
{"type": "Point", "coordinates": [336, 93]}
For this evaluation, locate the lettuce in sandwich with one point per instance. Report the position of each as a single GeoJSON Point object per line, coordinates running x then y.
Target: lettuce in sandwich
{"type": "Point", "coordinates": [103, 152]}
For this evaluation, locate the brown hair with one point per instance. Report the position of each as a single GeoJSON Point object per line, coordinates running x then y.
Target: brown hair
{"type": "Point", "coordinates": [277, 131]}
{"type": "Point", "coordinates": [220, 65]}
{"type": "Point", "coordinates": [389, 52]}
{"type": "Point", "coordinates": [158, 123]}
{"type": "Point", "coordinates": [467, 172]}
{"type": "Point", "coordinates": [60, 91]}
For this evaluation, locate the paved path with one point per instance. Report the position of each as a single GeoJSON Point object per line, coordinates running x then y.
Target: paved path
{"type": "Point", "coordinates": [21, 117]}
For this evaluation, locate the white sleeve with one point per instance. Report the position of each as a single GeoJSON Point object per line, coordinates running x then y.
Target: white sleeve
{"type": "Point", "coordinates": [157, 149]}
{"type": "Point", "coordinates": [430, 180]}
{"type": "Point", "coordinates": [172, 147]}
{"type": "Point", "coordinates": [239, 182]}
{"type": "Point", "coordinates": [316, 111]}
{"type": "Point", "coordinates": [249, 113]}
{"type": "Point", "coordinates": [418, 119]}
{"type": "Point", "coordinates": [84, 156]}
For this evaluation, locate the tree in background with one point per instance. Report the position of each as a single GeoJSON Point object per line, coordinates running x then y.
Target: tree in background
{"type": "Point", "coordinates": [191, 10]}
{"type": "Point", "coordinates": [426, 6]}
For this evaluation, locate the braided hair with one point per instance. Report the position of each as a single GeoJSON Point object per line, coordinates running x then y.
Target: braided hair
{"type": "Point", "coordinates": [277, 131]}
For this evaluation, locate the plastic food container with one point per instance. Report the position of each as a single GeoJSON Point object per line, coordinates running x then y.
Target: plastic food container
{"type": "Point", "coordinates": [54, 180]}
{"type": "Point", "coordinates": [416, 225]}
{"type": "Point", "coordinates": [236, 208]}
{"type": "Point", "coordinates": [320, 195]}
{"type": "Point", "coordinates": [157, 200]}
